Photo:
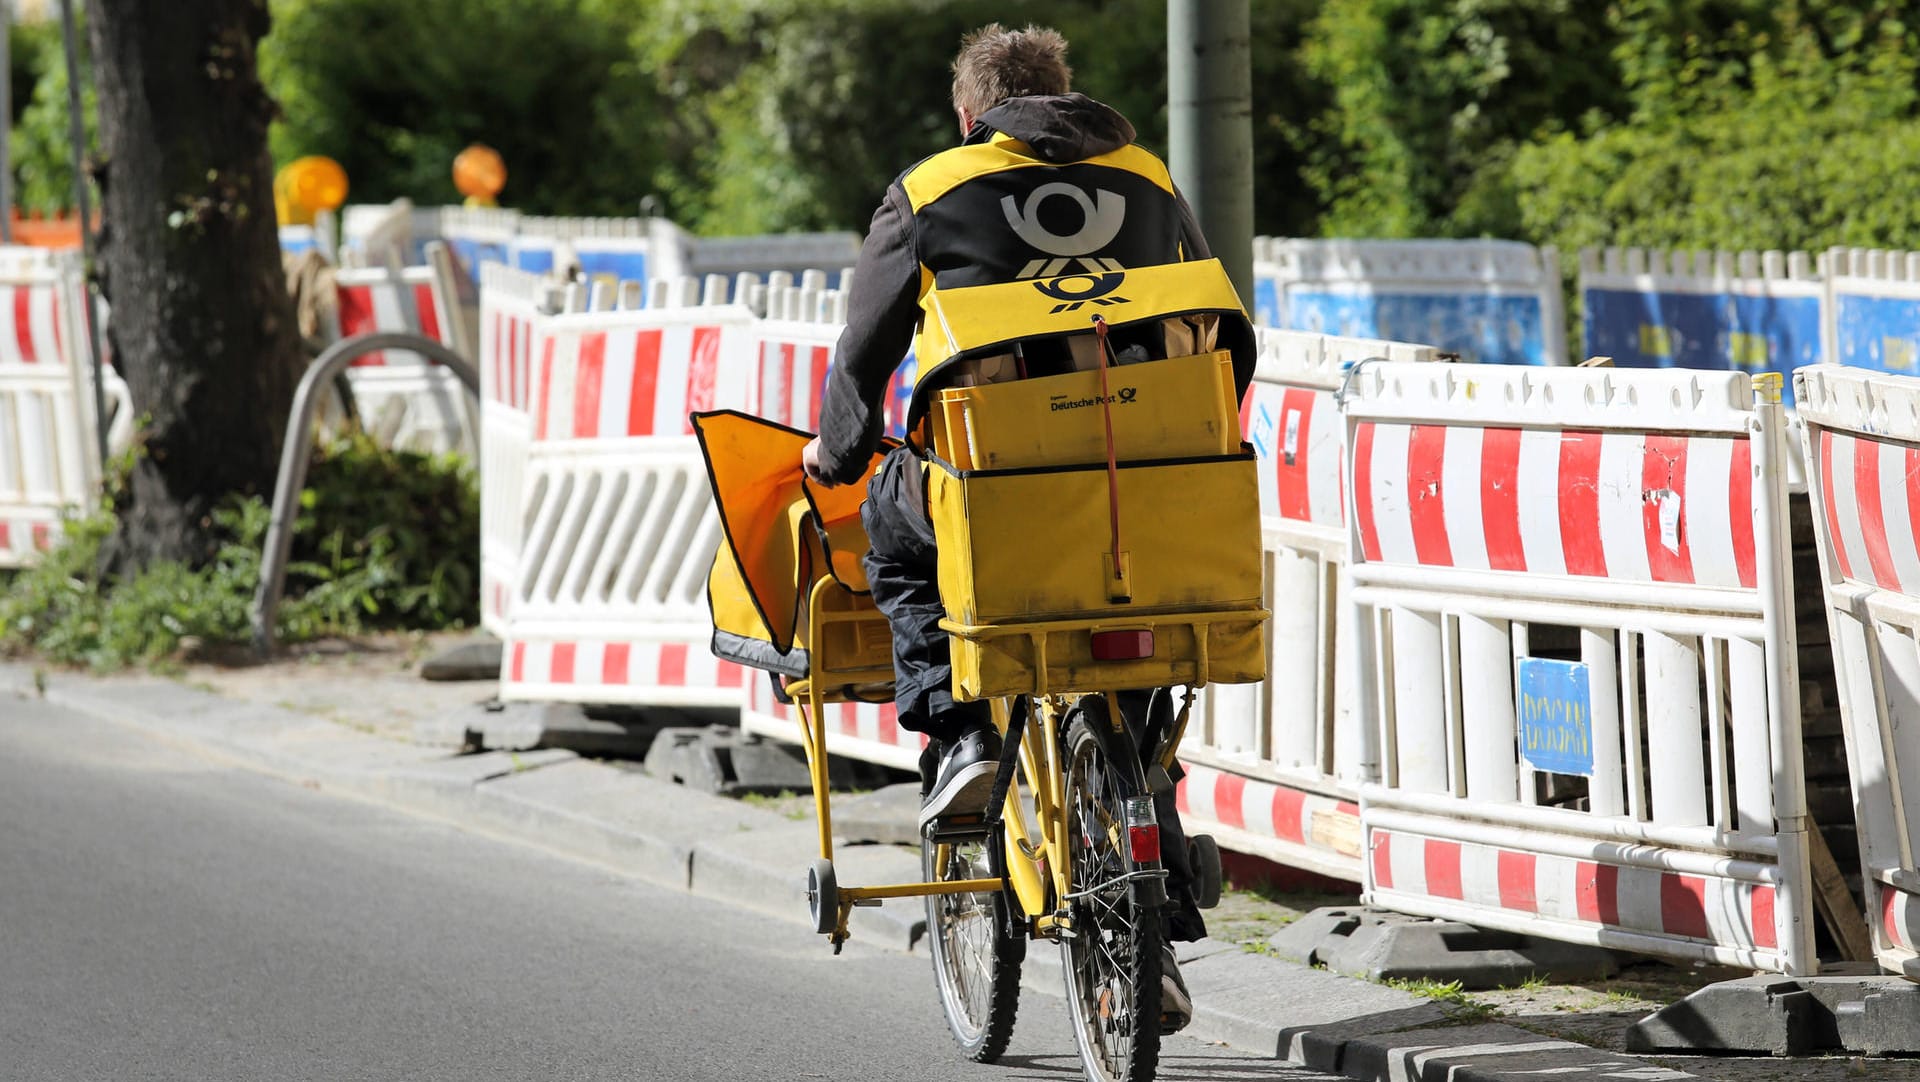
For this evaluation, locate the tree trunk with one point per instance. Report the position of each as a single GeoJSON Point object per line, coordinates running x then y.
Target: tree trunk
{"type": "Point", "coordinates": [202, 328]}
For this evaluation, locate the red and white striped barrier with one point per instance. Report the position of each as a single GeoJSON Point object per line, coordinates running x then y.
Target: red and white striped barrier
{"type": "Point", "coordinates": [1576, 631]}
{"type": "Point", "coordinates": [49, 450]}
{"type": "Point", "coordinates": [510, 325]}
{"type": "Point", "coordinates": [1296, 735]}
{"type": "Point", "coordinates": [616, 529]}
{"type": "Point", "coordinates": [1864, 478]}
{"type": "Point", "coordinates": [402, 399]}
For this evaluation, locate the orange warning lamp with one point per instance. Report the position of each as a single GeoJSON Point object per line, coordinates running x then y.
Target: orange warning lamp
{"type": "Point", "coordinates": [306, 186]}
{"type": "Point", "coordinates": [479, 174]}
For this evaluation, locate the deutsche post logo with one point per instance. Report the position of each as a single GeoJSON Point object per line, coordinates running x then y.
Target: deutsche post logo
{"type": "Point", "coordinates": [1075, 290]}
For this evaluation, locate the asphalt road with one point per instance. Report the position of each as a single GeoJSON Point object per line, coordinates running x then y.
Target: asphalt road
{"type": "Point", "coordinates": [164, 915]}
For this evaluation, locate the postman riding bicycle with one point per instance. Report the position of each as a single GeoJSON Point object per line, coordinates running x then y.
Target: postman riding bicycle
{"type": "Point", "coordinates": [1097, 518]}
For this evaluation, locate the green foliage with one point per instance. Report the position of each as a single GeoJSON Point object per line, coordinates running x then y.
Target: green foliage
{"type": "Point", "coordinates": [42, 147]}
{"type": "Point", "coordinates": [383, 540]}
{"type": "Point", "coordinates": [394, 91]}
{"type": "Point", "coordinates": [1795, 128]}
{"type": "Point", "coordinates": [1430, 99]}
{"type": "Point", "coordinates": [796, 114]}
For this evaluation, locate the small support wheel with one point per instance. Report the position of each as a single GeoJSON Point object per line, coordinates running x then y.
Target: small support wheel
{"type": "Point", "coordinates": [823, 897]}
{"type": "Point", "coordinates": [1203, 856]}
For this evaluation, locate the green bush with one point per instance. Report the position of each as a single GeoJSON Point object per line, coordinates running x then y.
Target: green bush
{"type": "Point", "coordinates": [383, 540]}
{"type": "Point", "coordinates": [1783, 143]}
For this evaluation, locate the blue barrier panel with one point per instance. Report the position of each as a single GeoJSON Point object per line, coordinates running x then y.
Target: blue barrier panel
{"type": "Point", "coordinates": [1480, 327]}
{"type": "Point", "coordinates": [472, 253]}
{"type": "Point", "coordinates": [627, 265]}
{"type": "Point", "coordinates": [1266, 303]}
{"type": "Point", "coordinates": [532, 254]}
{"type": "Point", "coordinates": [1673, 329]}
{"type": "Point", "coordinates": [1881, 333]}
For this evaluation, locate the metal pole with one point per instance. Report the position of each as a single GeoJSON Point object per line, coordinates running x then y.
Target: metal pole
{"type": "Point", "coordinates": [6, 122]}
{"type": "Point", "coordinates": [1210, 125]}
{"type": "Point", "coordinates": [77, 134]}
{"type": "Point", "coordinates": [298, 449]}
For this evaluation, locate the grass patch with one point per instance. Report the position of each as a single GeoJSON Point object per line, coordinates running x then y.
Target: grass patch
{"type": "Point", "coordinates": [777, 802]}
{"type": "Point", "coordinates": [1449, 995]}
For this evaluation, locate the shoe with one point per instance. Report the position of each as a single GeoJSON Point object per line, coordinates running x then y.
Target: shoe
{"type": "Point", "coordinates": [965, 778]}
{"type": "Point", "coordinates": [1176, 1006]}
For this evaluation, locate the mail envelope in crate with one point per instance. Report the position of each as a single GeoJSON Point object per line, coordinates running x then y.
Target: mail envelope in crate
{"type": "Point", "coordinates": [783, 537]}
{"type": "Point", "coordinates": [1098, 524]}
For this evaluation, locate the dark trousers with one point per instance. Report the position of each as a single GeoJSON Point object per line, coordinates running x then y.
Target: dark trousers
{"type": "Point", "coordinates": [903, 573]}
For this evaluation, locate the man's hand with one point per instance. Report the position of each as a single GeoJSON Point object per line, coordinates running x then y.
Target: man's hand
{"type": "Point", "coordinates": [810, 462]}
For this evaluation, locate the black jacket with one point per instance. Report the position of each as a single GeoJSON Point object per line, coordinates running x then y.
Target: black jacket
{"type": "Point", "coordinates": [1042, 186]}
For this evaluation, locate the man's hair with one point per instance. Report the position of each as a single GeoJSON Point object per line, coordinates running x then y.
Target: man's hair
{"type": "Point", "coordinates": [995, 64]}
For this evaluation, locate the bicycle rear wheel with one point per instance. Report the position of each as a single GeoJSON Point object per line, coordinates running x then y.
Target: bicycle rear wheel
{"type": "Point", "coordinates": [976, 959]}
{"type": "Point", "coordinates": [1112, 962]}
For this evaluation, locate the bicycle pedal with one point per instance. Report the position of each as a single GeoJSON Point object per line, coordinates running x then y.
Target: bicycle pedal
{"type": "Point", "coordinates": [952, 828]}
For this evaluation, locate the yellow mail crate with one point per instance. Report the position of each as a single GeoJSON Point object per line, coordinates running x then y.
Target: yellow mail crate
{"type": "Point", "coordinates": [1182, 407]}
{"type": "Point", "coordinates": [1026, 574]}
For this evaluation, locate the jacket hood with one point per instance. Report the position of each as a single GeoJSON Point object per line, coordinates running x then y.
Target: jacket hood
{"type": "Point", "coordinates": [1058, 128]}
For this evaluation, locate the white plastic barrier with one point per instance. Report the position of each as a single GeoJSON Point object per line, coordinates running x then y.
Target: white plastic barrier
{"type": "Point", "coordinates": [403, 400]}
{"type": "Point", "coordinates": [49, 449]}
{"type": "Point", "coordinates": [1491, 301]}
{"type": "Point", "coordinates": [510, 317]}
{"type": "Point", "coordinates": [1863, 449]}
{"type": "Point", "coordinates": [617, 526]}
{"type": "Point", "coordinates": [1576, 621]}
{"type": "Point", "coordinates": [1275, 768]}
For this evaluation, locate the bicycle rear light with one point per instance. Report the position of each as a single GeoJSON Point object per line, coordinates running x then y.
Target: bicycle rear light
{"type": "Point", "coordinates": [1122, 645]}
{"type": "Point", "coordinates": [1143, 831]}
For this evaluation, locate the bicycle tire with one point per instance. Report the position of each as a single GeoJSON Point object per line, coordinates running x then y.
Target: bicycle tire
{"type": "Point", "coordinates": [976, 959]}
{"type": "Point", "coordinates": [1112, 962]}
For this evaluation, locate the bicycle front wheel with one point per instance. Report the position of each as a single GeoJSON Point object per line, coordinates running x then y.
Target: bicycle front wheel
{"type": "Point", "coordinates": [1112, 961]}
{"type": "Point", "coordinates": [976, 959]}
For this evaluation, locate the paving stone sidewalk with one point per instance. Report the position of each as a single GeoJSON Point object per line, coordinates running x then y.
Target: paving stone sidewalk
{"type": "Point", "coordinates": [339, 718]}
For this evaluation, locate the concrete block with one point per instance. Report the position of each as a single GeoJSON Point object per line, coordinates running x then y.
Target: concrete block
{"type": "Point", "coordinates": [1382, 945]}
{"type": "Point", "coordinates": [478, 660]}
{"type": "Point", "coordinates": [1492, 1052]}
{"type": "Point", "coordinates": [722, 759]}
{"type": "Point", "coordinates": [1865, 1013]}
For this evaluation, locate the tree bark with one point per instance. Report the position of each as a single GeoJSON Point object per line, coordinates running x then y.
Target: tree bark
{"type": "Point", "coordinates": [202, 328]}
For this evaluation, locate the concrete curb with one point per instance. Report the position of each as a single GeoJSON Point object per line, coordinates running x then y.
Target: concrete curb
{"type": "Point", "coordinates": [724, 849]}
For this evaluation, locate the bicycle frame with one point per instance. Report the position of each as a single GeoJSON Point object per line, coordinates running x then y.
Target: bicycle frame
{"type": "Point", "coordinates": [1038, 866]}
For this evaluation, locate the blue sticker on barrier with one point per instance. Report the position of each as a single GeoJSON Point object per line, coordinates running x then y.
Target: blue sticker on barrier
{"type": "Point", "coordinates": [1479, 327]}
{"type": "Point", "coordinates": [1703, 330]}
{"type": "Point", "coordinates": [1556, 716]}
{"type": "Point", "coordinates": [1262, 434]}
{"type": "Point", "coordinates": [1881, 333]}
